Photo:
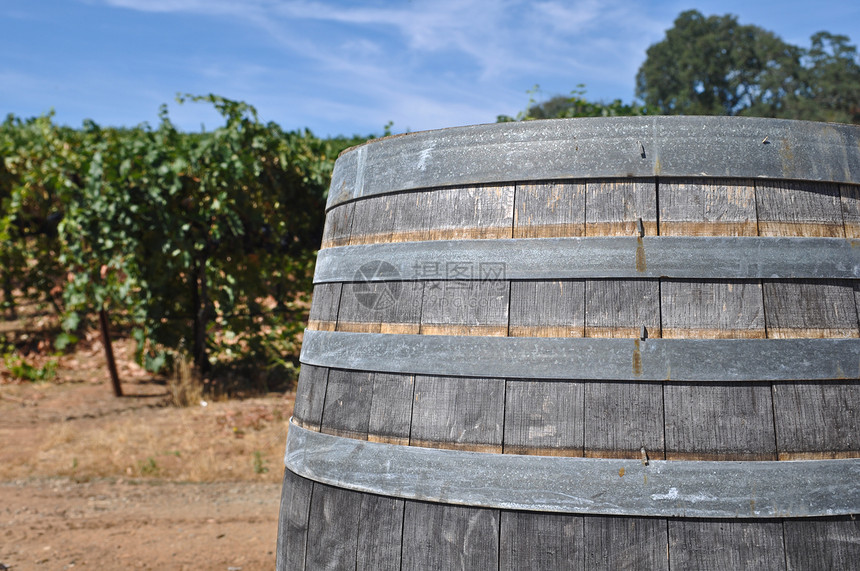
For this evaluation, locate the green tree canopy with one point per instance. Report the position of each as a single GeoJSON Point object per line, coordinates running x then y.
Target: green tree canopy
{"type": "Point", "coordinates": [573, 105]}
{"type": "Point", "coordinates": [715, 66]}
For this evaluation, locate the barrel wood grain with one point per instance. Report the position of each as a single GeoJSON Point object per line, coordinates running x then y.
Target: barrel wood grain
{"type": "Point", "coordinates": [381, 307]}
{"type": "Point", "coordinates": [335, 515]}
{"type": "Point", "coordinates": [414, 216]}
{"type": "Point", "coordinates": [373, 220]}
{"type": "Point", "coordinates": [380, 533]}
{"type": "Point", "coordinates": [816, 309]}
{"type": "Point", "coordinates": [338, 226]}
{"type": "Point", "coordinates": [439, 536]}
{"type": "Point", "coordinates": [726, 544]}
{"type": "Point", "coordinates": [717, 207]}
{"type": "Point", "coordinates": [823, 543]}
{"type": "Point", "coordinates": [473, 212]}
{"type": "Point", "coordinates": [623, 418]}
{"type": "Point", "coordinates": [391, 408]}
{"type": "Point", "coordinates": [544, 418]}
{"type": "Point", "coordinates": [719, 422]}
{"type": "Point", "coordinates": [465, 307]}
{"type": "Point", "coordinates": [716, 309]}
{"type": "Point", "coordinates": [850, 201]}
{"type": "Point", "coordinates": [464, 414]}
{"type": "Point", "coordinates": [614, 207]}
{"type": "Point", "coordinates": [817, 420]}
{"type": "Point", "coordinates": [547, 309]}
{"type": "Point", "coordinates": [293, 521]}
{"type": "Point", "coordinates": [324, 308]}
{"type": "Point", "coordinates": [625, 543]}
{"type": "Point", "coordinates": [540, 542]}
{"type": "Point", "coordinates": [549, 210]}
{"type": "Point", "coordinates": [787, 208]}
{"type": "Point", "coordinates": [348, 397]}
{"type": "Point", "coordinates": [310, 396]}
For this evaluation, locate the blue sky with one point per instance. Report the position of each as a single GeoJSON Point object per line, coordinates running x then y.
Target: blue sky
{"type": "Point", "coordinates": [346, 67]}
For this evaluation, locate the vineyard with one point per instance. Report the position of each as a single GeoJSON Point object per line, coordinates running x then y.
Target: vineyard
{"type": "Point", "coordinates": [198, 246]}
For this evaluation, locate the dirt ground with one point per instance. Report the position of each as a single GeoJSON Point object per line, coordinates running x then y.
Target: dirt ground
{"type": "Point", "coordinates": [91, 481]}
{"type": "Point", "coordinates": [117, 524]}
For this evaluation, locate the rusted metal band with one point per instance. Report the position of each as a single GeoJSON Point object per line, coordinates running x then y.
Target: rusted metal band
{"type": "Point", "coordinates": [745, 489]}
{"type": "Point", "coordinates": [593, 257]}
{"type": "Point", "coordinates": [606, 147]}
{"type": "Point", "coordinates": [655, 360]}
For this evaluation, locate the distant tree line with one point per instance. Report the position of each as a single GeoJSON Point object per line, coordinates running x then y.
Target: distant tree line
{"type": "Point", "coordinates": [715, 66]}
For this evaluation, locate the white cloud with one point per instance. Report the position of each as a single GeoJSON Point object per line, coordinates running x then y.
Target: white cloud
{"type": "Point", "coordinates": [423, 64]}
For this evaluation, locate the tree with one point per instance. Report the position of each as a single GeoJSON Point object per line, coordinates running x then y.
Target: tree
{"type": "Point", "coordinates": [831, 80]}
{"type": "Point", "coordinates": [715, 66]}
{"type": "Point", "coordinates": [574, 105]}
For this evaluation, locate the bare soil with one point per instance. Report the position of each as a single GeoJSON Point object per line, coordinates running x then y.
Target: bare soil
{"type": "Point", "coordinates": [91, 481]}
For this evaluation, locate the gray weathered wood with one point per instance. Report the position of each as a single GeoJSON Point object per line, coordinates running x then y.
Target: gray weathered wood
{"type": "Point", "coordinates": [823, 544]}
{"type": "Point", "coordinates": [547, 309]}
{"type": "Point", "coordinates": [437, 536]}
{"type": "Point", "coordinates": [719, 422]}
{"type": "Point", "coordinates": [549, 210]}
{"type": "Point", "coordinates": [787, 208]}
{"type": "Point", "coordinates": [711, 310]}
{"type": "Point", "coordinates": [414, 216]}
{"type": "Point", "coordinates": [544, 418]}
{"type": "Point", "coordinates": [347, 404]}
{"type": "Point", "coordinates": [614, 207]}
{"type": "Point", "coordinates": [619, 308]}
{"type": "Point", "coordinates": [324, 307]}
{"type": "Point", "coordinates": [709, 207]}
{"type": "Point", "coordinates": [380, 307]}
{"type": "Point", "coordinates": [391, 409]}
{"type": "Point", "coordinates": [810, 309]}
{"type": "Point", "coordinates": [338, 225]}
{"type": "Point", "coordinates": [472, 212]}
{"type": "Point", "coordinates": [714, 421]}
{"type": "Point", "coordinates": [625, 543]}
{"type": "Point", "coordinates": [850, 200]}
{"type": "Point", "coordinates": [380, 533]}
{"type": "Point", "coordinates": [711, 544]}
{"type": "Point", "coordinates": [540, 542]}
{"type": "Point", "coordinates": [373, 220]}
{"type": "Point", "coordinates": [465, 307]}
{"type": "Point", "coordinates": [293, 522]}
{"type": "Point", "coordinates": [621, 418]}
{"type": "Point", "coordinates": [310, 396]}
{"type": "Point", "coordinates": [817, 419]}
{"type": "Point", "coordinates": [333, 528]}
{"type": "Point", "coordinates": [466, 414]}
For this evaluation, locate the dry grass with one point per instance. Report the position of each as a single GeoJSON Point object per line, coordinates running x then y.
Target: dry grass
{"type": "Point", "coordinates": [74, 427]}
{"type": "Point", "coordinates": [223, 441]}
{"type": "Point", "coordinates": [185, 386]}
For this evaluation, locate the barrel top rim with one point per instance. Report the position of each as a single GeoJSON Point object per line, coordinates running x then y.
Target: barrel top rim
{"type": "Point", "coordinates": [633, 118]}
{"type": "Point", "coordinates": [599, 147]}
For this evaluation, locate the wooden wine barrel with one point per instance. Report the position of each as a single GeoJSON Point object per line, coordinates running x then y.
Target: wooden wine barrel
{"type": "Point", "coordinates": [580, 344]}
